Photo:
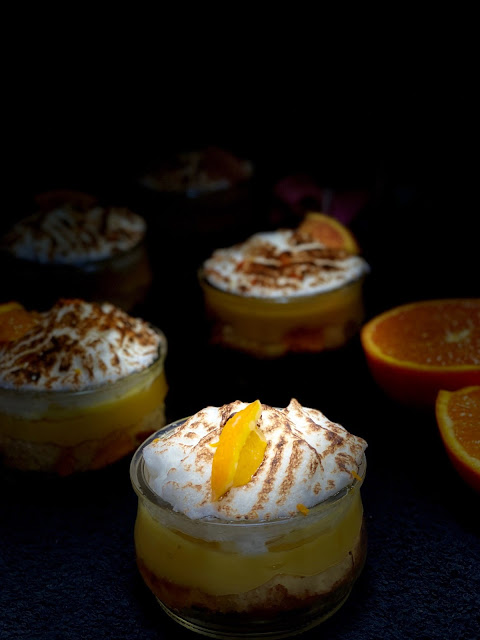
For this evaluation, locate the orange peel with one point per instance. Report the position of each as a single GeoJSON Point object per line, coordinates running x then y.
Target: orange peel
{"type": "Point", "coordinates": [239, 451]}
{"type": "Point", "coordinates": [329, 231]}
{"type": "Point", "coordinates": [458, 418]}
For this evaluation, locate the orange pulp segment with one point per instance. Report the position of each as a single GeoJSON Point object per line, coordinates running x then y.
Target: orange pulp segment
{"type": "Point", "coordinates": [250, 458]}
{"type": "Point", "coordinates": [458, 419]}
{"type": "Point", "coordinates": [329, 231]}
{"type": "Point", "coordinates": [15, 321]}
{"type": "Point", "coordinates": [416, 349]}
{"type": "Point", "coordinates": [229, 456]}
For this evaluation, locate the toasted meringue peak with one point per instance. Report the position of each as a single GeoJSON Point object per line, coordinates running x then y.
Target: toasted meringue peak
{"type": "Point", "coordinates": [69, 234]}
{"type": "Point", "coordinates": [308, 459]}
{"type": "Point", "coordinates": [78, 344]}
{"type": "Point", "coordinates": [281, 263]}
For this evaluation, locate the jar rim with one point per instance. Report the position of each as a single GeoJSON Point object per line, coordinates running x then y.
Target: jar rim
{"type": "Point", "coordinates": [79, 265]}
{"type": "Point", "coordinates": [280, 299]}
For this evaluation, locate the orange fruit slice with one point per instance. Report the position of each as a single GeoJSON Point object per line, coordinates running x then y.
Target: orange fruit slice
{"type": "Point", "coordinates": [416, 349]}
{"type": "Point", "coordinates": [15, 321]}
{"type": "Point", "coordinates": [239, 451]}
{"type": "Point", "coordinates": [329, 231]}
{"type": "Point", "coordinates": [458, 418]}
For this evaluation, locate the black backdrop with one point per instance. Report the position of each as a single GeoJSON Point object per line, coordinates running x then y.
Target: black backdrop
{"type": "Point", "coordinates": [66, 549]}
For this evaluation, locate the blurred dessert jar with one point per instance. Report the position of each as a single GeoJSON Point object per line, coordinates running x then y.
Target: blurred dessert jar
{"type": "Point", "coordinates": [198, 172]}
{"type": "Point", "coordinates": [206, 190]}
{"type": "Point", "coordinates": [286, 290]}
{"type": "Point", "coordinates": [81, 385]}
{"type": "Point", "coordinates": [250, 518]}
{"type": "Point", "coordinates": [75, 247]}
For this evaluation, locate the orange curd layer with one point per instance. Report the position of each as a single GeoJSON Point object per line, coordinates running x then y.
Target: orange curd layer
{"type": "Point", "coordinates": [82, 419]}
{"type": "Point", "coordinates": [220, 568]}
{"type": "Point", "coordinates": [265, 323]}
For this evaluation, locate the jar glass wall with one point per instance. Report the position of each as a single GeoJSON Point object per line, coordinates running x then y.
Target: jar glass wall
{"type": "Point", "coordinates": [238, 578]}
{"type": "Point", "coordinates": [68, 431]}
{"type": "Point", "coordinates": [271, 327]}
{"type": "Point", "coordinates": [123, 279]}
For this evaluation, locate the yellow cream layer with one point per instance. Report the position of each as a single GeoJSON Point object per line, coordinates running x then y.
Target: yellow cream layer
{"type": "Point", "coordinates": [68, 426]}
{"type": "Point", "coordinates": [217, 570]}
{"type": "Point", "coordinates": [264, 320]}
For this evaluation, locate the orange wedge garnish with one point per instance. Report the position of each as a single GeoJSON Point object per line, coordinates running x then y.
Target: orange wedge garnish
{"type": "Point", "coordinates": [458, 418]}
{"type": "Point", "coordinates": [239, 452]}
{"type": "Point", "coordinates": [329, 231]}
{"type": "Point", "coordinates": [15, 321]}
{"type": "Point", "coordinates": [416, 349]}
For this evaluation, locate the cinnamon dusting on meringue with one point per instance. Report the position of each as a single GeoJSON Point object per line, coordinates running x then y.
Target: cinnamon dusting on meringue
{"type": "Point", "coordinates": [78, 344]}
{"type": "Point", "coordinates": [308, 458]}
{"type": "Point", "coordinates": [282, 263]}
{"type": "Point", "coordinates": [71, 234]}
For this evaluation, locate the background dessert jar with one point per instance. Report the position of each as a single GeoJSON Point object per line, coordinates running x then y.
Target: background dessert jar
{"type": "Point", "coordinates": [250, 519]}
{"type": "Point", "coordinates": [81, 385]}
{"type": "Point", "coordinates": [198, 197]}
{"type": "Point", "coordinates": [284, 291]}
{"type": "Point", "coordinates": [73, 246]}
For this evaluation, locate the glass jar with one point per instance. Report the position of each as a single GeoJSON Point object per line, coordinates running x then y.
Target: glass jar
{"type": "Point", "coordinates": [228, 579]}
{"type": "Point", "coordinates": [68, 431]}
{"type": "Point", "coordinates": [123, 279]}
{"type": "Point", "coordinates": [272, 327]}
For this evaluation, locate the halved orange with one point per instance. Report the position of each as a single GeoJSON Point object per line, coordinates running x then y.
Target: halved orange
{"type": "Point", "coordinates": [416, 349]}
{"type": "Point", "coordinates": [15, 321]}
{"type": "Point", "coordinates": [329, 231]}
{"type": "Point", "coordinates": [458, 418]}
{"type": "Point", "coordinates": [239, 451]}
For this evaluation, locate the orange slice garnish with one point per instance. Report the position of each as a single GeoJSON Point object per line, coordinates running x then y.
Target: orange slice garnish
{"type": "Point", "coordinates": [239, 452]}
{"type": "Point", "coordinates": [329, 231]}
{"type": "Point", "coordinates": [15, 321]}
{"type": "Point", "coordinates": [458, 419]}
{"type": "Point", "coordinates": [416, 349]}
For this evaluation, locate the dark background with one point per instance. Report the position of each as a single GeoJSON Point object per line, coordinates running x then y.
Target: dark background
{"type": "Point", "coordinates": [66, 551]}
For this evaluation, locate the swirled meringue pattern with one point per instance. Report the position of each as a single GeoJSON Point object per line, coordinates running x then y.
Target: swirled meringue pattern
{"type": "Point", "coordinates": [71, 235]}
{"type": "Point", "coordinates": [280, 263]}
{"type": "Point", "coordinates": [308, 459]}
{"type": "Point", "coordinates": [76, 345]}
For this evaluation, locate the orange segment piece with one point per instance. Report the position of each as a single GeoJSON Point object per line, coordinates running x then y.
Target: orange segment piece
{"type": "Point", "coordinates": [329, 231]}
{"type": "Point", "coordinates": [303, 509]}
{"type": "Point", "coordinates": [416, 349]}
{"type": "Point", "coordinates": [15, 321]}
{"type": "Point", "coordinates": [458, 419]}
{"type": "Point", "coordinates": [250, 458]}
{"type": "Point", "coordinates": [233, 439]}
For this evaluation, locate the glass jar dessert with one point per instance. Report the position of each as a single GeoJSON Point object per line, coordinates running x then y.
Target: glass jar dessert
{"type": "Point", "coordinates": [75, 247]}
{"type": "Point", "coordinates": [81, 385]}
{"type": "Point", "coordinates": [271, 557]}
{"type": "Point", "coordinates": [203, 192]}
{"type": "Point", "coordinates": [283, 291]}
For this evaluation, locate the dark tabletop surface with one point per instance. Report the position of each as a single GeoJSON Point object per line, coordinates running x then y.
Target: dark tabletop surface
{"type": "Point", "coordinates": [67, 561]}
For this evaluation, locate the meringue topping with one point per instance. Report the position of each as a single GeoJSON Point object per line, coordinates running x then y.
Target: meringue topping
{"type": "Point", "coordinates": [76, 345]}
{"type": "Point", "coordinates": [69, 234]}
{"type": "Point", "coordinates": [308, 458]}
{"type": "Point", "coordinates": [281, 263]}
{"type": "Point", "coordinates": [199, 172]}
